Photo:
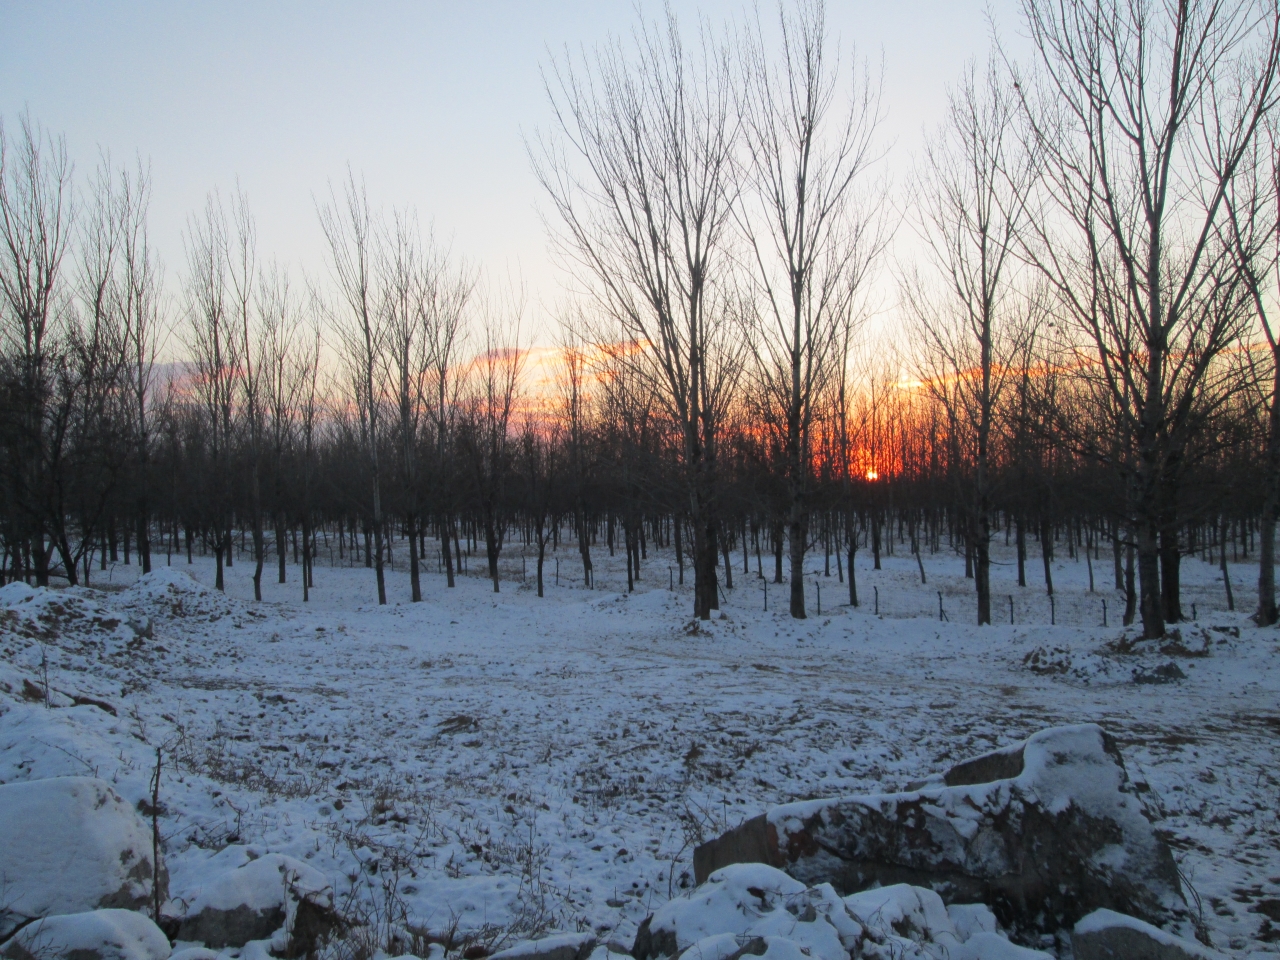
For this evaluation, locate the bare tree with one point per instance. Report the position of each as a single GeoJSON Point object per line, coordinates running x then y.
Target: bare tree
{"type": "Point", "coordinates": [349, 228]}
{"type": "Point", "coordinates": [812, 240]}
{"type": "Point", "coordinates": [444, 320]}
{"type": "Point", "coordinates": [1252, 230]}
{"type": "Point", "coordinates": [487, 436]}
{"type": "Point", "coordinates": [406, 302]}
{"type": "Point", "coordinates": [574, 371]}
{"type": "Point", "coordinates": [970, 198]}
{"type": "Point", "coordinates": [36, 219]}
{"type": "Point", "coordinates": [1143, 113]}
{"type": "Point", "coordinates": [641, 176]}
{"type": "Point", "coordinates": [305, 375]}
{"type": "Point", "coordinates": [215, 349]}
{"type": "Point", "coordinates": [139, 295]}
{"type": "Point", "coordinates": [279, 388]}
{"type": "Point", "coordinates": [250, 301]}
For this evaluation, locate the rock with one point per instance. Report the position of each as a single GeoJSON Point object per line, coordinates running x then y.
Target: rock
{"type": "Point", "coordinates": [748, 902]}
{"type": "Point", "coordinates": [96, 935]}
{"type": "Point", "coordinates": [566, 946]}
{"type": "Point", "coordinates": [1168, 672]}
{"type": "Point", "coordinates": [1107, 935]}
{"type": "Point", "coordinates": [1058, 834]}
{"type": "Point", "coordinates": [754, 910]}
{"type": "Point", "coordinates": [194, 953]}
{"type": "Point", "coordinates": [71, 845]}
{"type": "Point", "coordinates": [257, 899]}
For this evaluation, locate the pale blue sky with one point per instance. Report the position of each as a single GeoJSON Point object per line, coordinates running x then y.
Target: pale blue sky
{"type": "Point", "coordinates": [430, 101]}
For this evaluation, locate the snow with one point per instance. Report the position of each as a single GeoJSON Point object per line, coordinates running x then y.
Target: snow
{"type": "Point", "coordinates": [971, 918]}
{"type": "Point", "coordinates": [261, 885]}
{"type": "Point", "coordinates": [1101, 920]}
{"type": "Point", "coordinates": [96, 935]}
{"type": "Point", "coordinates": [516, 766]}
{"type": "Point", "coordinates": [901, 908]}
{"type": "Point", "coordinates": [71, 844]}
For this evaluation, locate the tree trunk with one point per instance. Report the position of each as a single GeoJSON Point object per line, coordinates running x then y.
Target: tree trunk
{"type": "Point", "coordinates": [306, 562]}
{"type": "Point", "coordinates": [1046, 552]}
{"type": "Point", "coordinates": [415, 583]}
{"type": "Point", "coordinates": [1020, 539]}
{"type": "Point", "coordinates": [1267, 613]}
{"type": "Point", "coordinates": [728, 563]}
{"type": "Point", "coordinates": [446, 527]}
{"type": "Point", "coordinates": [679, 523]}
{"type": "Point", "coordinates": [492, 549]}
{"type": "Point", "coordinates": [1130, 593]}
{"type": "Point", "coordinates": [1170, 573]}
{"type": "Point", "coordinates": [379, 573]}
{"type": "Point", "coordinates": [282, 546]}
{"type": "Point", "coordinates": [982, 567]}
{"type": "Point", "coordinates": [144, 534]}
{"type": "Point", "coordinates": [1150, 602]}
{"type": "Point", "coordinates": [1226, 574]}
{"type": "Point", "coordinates": [875, 539]}
{"type": "Point", "coordinates": [797, 533]}
{"type": "Point", "coordinates": [1115, 554]}
{"type": "Point", "coordinates": [542, 555]}
{"type": "Point", "coordinates": [777, 553]}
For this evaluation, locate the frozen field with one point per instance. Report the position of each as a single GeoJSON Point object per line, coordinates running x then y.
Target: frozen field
{"type": "Point", "coordinates": [504, 765]}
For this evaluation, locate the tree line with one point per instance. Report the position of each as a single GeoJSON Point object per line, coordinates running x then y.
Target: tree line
{"type": "Point", "coordinates": [1082, 352]}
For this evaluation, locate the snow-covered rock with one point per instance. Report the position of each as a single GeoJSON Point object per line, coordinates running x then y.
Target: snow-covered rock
{"type": "Point", "coordinates": [1044, 832]}
{"type": "Point", "coordinates": [194, 953]}
{"type": "Point", "coordinates": [565, 946]}
{"type": "Point", "coordinates": [1107, 935]}
{"type": "Point", "coordinates": [71, 845]}
{"type": "Point", "coordinates": [757, 910]}
{"type": "Point", "coordinates": [253, 901]}
{"type": "Point", "coordinates": [14, 593]}
{"type": "Point", "coordinates": [95, 935]}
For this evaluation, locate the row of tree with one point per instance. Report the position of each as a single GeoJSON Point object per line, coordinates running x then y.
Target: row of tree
{"type": "Point", "coordinates": [1087, 352]}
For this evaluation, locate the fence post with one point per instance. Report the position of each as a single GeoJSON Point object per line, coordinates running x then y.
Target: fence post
{"type": "Point", "coordinates": [1011, 610]}
{"type": "Point", "coordinates": [1104, 612]}
{"type": "Point", "coordinates": [877, 591]}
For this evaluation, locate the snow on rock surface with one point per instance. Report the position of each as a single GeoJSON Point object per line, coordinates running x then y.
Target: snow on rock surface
{"type": "Point", "coordinates": [71, 844]}
{"type": "Point", "coordinates": [1107, 935]}
{"type": "Point", "coordinates": [754, 909]}
{"type": "Point", "coordinates": [95, 935]}
{"type": "Point", "coordinates": [565, 946]}
{"type": "Point", "coordinates": [1043, 832]}
{"type": "Point", "coordinates": [251, 902]}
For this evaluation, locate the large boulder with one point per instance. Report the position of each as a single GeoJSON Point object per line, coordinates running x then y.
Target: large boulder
{"type": "Point", "coordinates": [96, 935]}
{"type": "Point", "coordinates": [1045, 832]}
{"type": "Point", "coordinates": [252, 902]}
{"type": "Point", "coordinates": [1107, 935]}
{"type": "Point", "coordinates": [756, 910]}
{"type": "Point", "coordinates": [72, 845]}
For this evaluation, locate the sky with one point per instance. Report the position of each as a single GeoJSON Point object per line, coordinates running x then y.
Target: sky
{"type": "Point", "coordinates": [431, 103]}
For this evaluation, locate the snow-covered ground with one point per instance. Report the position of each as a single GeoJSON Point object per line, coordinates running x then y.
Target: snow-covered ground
{"type": "Point", "coordinates": [504, 765]}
